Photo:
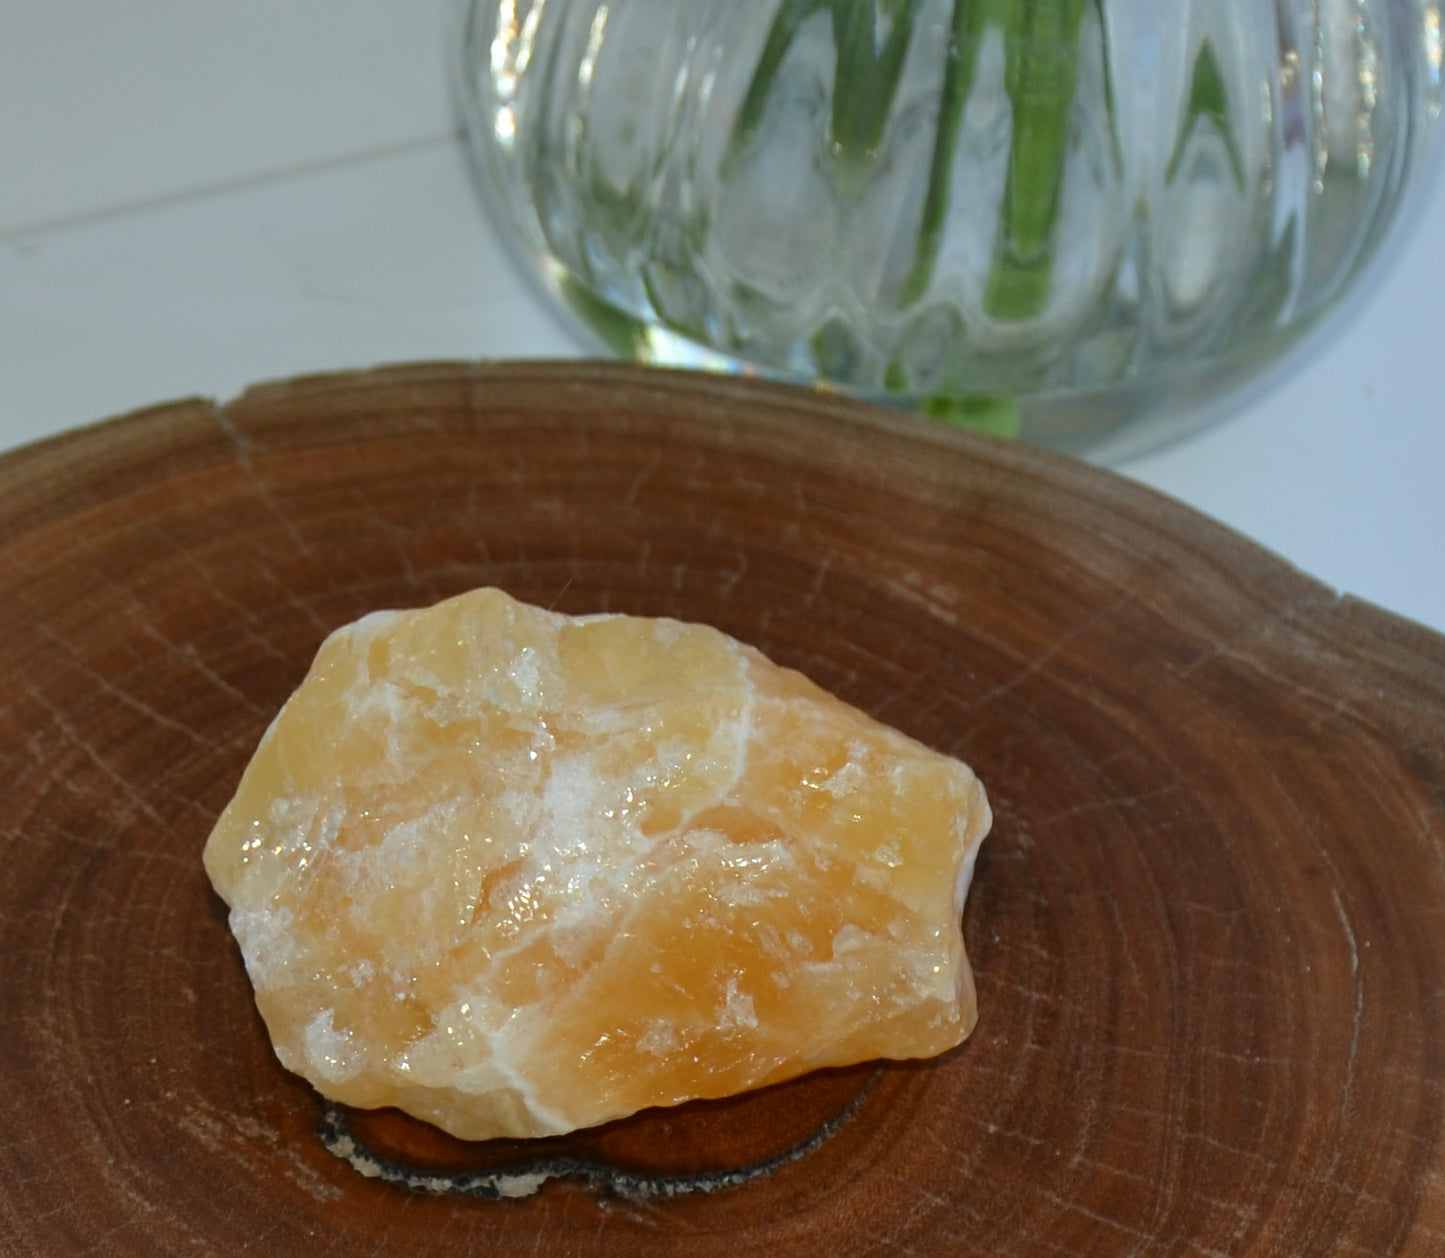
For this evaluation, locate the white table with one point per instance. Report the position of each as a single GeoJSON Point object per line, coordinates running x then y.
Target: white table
{"type": "Point", "coordinates": [194, 197]}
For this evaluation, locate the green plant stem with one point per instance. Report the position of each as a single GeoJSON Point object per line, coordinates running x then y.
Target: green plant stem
{"type": "Point", "coordinates": [790, 16]}
{"type": "Point", "coordinates": [865, 77]}
{"type": "Point", "coordinates": [969, 22]}
{"type": "Point", "coordinates": [1041, 46]}
{"type": "Point", "coordinates": [1041, 39]}
{"type": "Point", "coordinates": [1208, 103]}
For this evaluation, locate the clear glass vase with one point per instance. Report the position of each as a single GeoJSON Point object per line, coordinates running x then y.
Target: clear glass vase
{"type": "Point", "coordinates": [1080, 222]}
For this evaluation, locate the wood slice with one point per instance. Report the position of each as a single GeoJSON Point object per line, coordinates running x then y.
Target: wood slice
{"type": "Point", "coordinates": [1208, 928]}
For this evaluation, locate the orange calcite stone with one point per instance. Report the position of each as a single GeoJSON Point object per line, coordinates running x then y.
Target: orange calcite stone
{"type": "Point", "coordinates": [518, 873]}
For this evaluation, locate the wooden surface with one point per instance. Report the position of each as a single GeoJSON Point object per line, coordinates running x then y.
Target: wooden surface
{"type": "Point", "coordinates": [1208, 928]}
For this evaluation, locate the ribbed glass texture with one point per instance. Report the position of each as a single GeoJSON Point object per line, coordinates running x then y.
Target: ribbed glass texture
{"type": "Point", "coordinates": [1082, 222]}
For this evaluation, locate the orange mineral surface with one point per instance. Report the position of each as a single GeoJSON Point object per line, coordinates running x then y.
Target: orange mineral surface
{"type": "Point", "coordinates": [518, 873]}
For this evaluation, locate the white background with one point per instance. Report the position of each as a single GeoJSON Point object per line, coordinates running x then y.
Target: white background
{"type": "Point", "coordinates": [197, 195]}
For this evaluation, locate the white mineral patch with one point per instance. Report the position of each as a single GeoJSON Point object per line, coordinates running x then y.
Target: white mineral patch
{"type": "Point", "coordinates": [658, 1040]}
{"type": "Point", "coordinates": [851, 939]}
{"type": "Point", "coordinates": [737, 1010]}
{"type": "Point", "coordinates": [525, 673]}
{"type": "Point", "coordinates": [266, 940]}
{"type": "Point", "coordinates": [330, 1050]}
{"type": "Point", "coordinates": [849, 776]}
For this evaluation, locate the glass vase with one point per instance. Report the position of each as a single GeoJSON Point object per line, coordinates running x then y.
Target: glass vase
{"type": "Point", "coordinates": [1085, 223]}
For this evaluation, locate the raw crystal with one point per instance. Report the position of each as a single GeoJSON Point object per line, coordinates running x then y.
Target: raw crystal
{"type": "Point", "coordinates": [517, 873]}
